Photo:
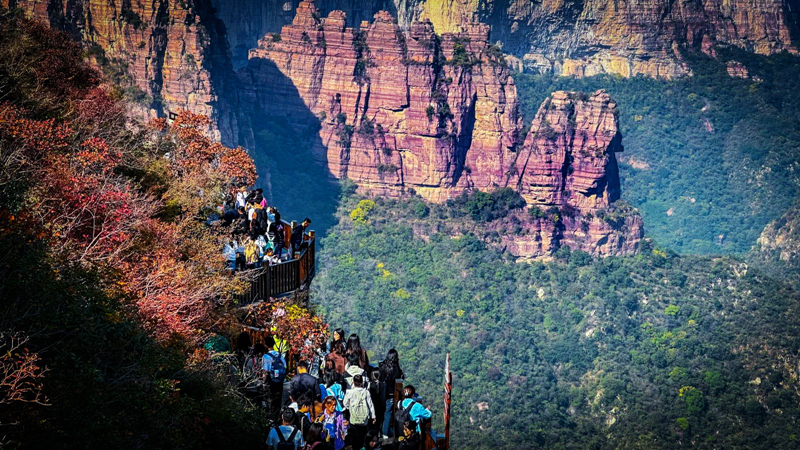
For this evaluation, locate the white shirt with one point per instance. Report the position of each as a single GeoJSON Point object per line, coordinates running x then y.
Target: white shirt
{"type": "Point", "coordinates": [240, 198]}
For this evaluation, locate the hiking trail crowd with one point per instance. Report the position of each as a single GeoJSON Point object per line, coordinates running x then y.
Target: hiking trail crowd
{"type": "Point", "coordinates": [336, 399]}
{"type": "Point", "coordinates": [258, 235]}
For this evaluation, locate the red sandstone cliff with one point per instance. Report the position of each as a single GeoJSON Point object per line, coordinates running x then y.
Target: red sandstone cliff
{"type": "Point", "coordinates": [625, 37]}
{"type": "Point", "coordinates": [167, 52]}
{"type": "Point", "coordinates": [399, 110]}
{"type": "Point", "coordinates": [404, 111]}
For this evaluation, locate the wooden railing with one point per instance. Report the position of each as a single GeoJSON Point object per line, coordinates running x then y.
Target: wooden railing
{"type": "Point", "coordinates": [283, 278]}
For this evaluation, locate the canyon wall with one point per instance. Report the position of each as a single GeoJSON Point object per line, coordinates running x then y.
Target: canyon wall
{"type": "Point", "coordinates": [627, 38]}
{"type": "Point", "coordinates": [409, 111]}
{"type": "Point", "coordinates": [398, 109]}
{"type": "Point", "coordinates": [171, 55]}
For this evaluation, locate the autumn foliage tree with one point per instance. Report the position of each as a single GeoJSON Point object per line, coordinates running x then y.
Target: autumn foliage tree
{"type": "Point", "coordinates": [111, 273]}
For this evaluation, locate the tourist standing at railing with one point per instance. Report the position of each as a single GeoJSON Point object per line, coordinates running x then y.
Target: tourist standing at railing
{"type": "Point", "coordinates": [389, 372]}
{"type": "Point", "coordinates": [354, 348]}
{"type": "Point", "coordinates": [414, 410]}
{"type": "Point", "coordinates": [298, 233]}
{"type": "Point", "coordinates": [278, 235]}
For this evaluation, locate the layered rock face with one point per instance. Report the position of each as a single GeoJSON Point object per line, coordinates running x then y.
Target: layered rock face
{"type": "Point", "coordinates": [398, 110]}
{"type": "Point", "coordinates": [627, 38]}
{"type": "Point", "coordinates": [247, 21]}
{"type": "Point", "coordinates": [402, 111]}
{"type": "Point", "coordinates": [172, 54]}
{"type": "Point", "coordinates": [568, 164]}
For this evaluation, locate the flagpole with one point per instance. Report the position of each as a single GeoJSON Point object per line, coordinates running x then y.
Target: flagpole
{"type": "Point", "coordinates": [448, 390]}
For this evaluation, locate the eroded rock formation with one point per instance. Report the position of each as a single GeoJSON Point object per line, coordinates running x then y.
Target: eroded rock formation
{"type": "Point", "coordinates": [171, 55]}
{"type": "Point", "coordinates": [399, 110]}
{"type": "Point", "coordinates": [572, 38]}
{"type": "Point", "coordinates": [402, 111]}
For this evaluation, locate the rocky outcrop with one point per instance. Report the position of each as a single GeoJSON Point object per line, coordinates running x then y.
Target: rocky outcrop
{"type": "Point", "coordinates": [570, 38]}
{"type": "Point", "coordinates": [408, 111]}
{"type": "Point", "coordinates": [171, 55]}
{"type": "Point", "coordinates": [777, 250]}
{"type": "Point", "coordinates": [398, 110]}
{"type": "Point", "coordinates": [780, 239]}
{"type": "Point", "coordinates": [626, 38]}
{"type": "Point", "coordinates": [567, 170]}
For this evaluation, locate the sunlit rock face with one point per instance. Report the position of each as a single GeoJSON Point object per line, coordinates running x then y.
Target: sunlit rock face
{"type": "Point", "coordinates": [570, 38]}
{"type": "Point", "coordinates": [171, 55]}
{"type": "Point", "coordinates": [408, 111]}
{"type": "Point", "coordinates": [399, 110]}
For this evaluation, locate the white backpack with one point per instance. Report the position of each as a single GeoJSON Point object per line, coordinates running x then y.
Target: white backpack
{"type": "Point", "coordinates": [359, 412]}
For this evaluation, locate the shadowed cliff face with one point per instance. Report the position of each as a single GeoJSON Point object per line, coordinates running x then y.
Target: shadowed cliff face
{"type": "Point", "coordinates": [283, 137]}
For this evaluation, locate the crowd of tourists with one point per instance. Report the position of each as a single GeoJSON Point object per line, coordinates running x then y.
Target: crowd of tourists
{"type": "Point", "coordinates": [258, 236]}
{"type": "Point", "coordinates": [336, 399]}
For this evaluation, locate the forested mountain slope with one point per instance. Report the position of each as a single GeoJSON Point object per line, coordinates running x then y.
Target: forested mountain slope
{"type": "Point", "coordinates": [658, 351]}
{"type": "Point", "coordinates": [709, 160]}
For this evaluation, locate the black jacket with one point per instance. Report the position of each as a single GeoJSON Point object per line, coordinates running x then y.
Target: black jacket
{"type": "Point", "coordinates": [297, 235]}
{"type": "Point", "coordinates": [303, 383]}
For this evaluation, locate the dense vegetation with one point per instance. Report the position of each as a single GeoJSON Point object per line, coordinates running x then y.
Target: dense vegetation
{"type": "Point", "coordinates": [710, 159]}
{"type": "Point", "coordinates": [110, 279]}
{"type": "Point", "coordinates": [654, 351]}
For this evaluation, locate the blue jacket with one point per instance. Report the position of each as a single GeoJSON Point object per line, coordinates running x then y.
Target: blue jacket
{"type": "Point", "coordinates": [417, 413]}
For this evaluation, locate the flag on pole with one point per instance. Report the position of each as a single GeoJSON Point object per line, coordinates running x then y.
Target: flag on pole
{"type": "Point", "coordinates": [448, 388]}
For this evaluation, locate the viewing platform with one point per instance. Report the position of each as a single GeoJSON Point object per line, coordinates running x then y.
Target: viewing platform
{"type": "Point", "coordinates": [284, 278]}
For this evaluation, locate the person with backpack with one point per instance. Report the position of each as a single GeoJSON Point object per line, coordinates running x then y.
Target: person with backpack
{"type": "Point", "coordinates": [307, 412]}
{"type": "Point", "coordinates": [335, 427]}
{"type": "Point", "coordinates": [362, 411]}
{"type": "Point", "coordinates": [410, 410]}
{"type": "Point", "coordinates": [390, 371]}
{"type": "Point", "coordinates": [274, 372]}
{"type": "Point", "coordinates": [286, 436]}
{"type": "Point", "coordinates": [304, 383]}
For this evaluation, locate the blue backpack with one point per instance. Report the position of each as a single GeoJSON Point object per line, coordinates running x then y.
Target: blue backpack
{"type": "Point", "coordinates": [278, 372]}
